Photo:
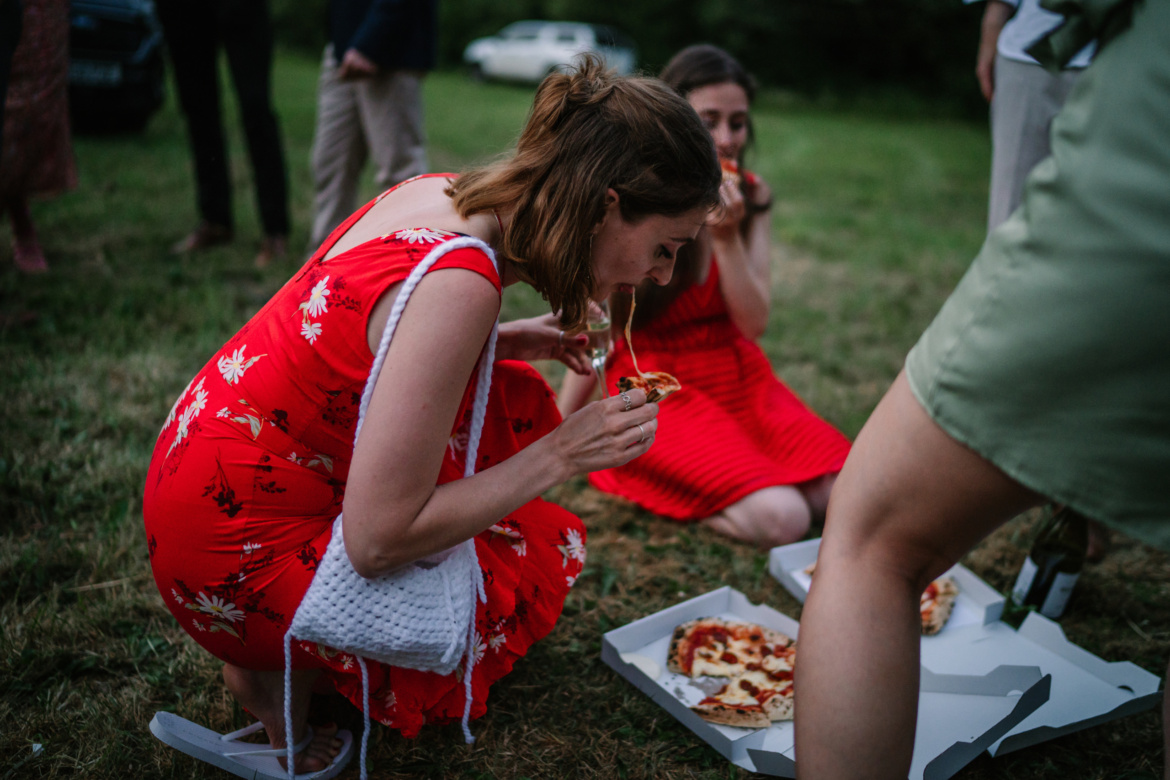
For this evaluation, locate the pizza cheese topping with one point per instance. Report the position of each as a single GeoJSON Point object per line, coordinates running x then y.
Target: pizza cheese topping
{"type": "Point", "coordinates": [730, 169]}
{"type": "Point", "coordinates": [757, 660]}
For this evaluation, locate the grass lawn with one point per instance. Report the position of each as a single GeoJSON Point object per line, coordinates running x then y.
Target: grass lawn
{"type": "Point", "coordinates": [876, 218]}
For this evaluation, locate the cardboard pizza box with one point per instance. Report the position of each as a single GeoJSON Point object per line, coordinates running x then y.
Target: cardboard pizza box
{"type": "Point", "coordinates": [1085, 690]}
{"type": "Point", "coordinates": [977, 604]}
{"type": "Point", "coordinates": [963, 714]}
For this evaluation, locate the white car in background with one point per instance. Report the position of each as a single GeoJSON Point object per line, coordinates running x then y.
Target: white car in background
{"type": "Point", "coordinates": [529, 51]}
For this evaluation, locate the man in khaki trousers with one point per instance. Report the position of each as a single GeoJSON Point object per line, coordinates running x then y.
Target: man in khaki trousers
{"type": "Point", "coordinates": [369, 102]}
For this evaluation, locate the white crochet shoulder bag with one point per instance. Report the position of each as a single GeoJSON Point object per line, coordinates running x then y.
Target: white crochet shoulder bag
{"type": "Point", "coordinates": [422, 615]}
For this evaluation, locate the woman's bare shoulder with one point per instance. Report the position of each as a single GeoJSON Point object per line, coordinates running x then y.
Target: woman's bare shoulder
{"type": "Point", "coordinates": [418, 203]}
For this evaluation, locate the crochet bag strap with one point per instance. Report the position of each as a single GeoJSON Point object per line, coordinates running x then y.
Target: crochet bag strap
{"type": "Point", "coordinates": [467, 548]}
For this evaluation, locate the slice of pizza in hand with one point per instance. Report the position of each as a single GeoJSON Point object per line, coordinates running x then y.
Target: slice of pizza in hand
{"type": "Point", "coordinates": [935, 605]}
{"type": "Point", "coordinates": [657, 385]}
{"type": "Point", "coordinates": [730, 169]}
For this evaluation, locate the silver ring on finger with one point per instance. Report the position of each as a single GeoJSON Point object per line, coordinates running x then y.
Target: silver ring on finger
{"type": "Point", "coordinates": [560, 338]}
{"type": "Point", "coordinates": [643, 431]}
{"type": "Point", "coordinates": [627, 401]}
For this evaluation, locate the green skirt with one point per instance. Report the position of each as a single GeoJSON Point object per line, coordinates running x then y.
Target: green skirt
{"type": "Point", "coordinates": [1052, 357]}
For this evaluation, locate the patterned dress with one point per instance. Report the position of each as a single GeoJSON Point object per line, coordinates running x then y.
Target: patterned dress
{"type": "Point", "coordinates": [36, 157]}
{"type": "Point", "coordinates": [250, 470]}
{"type": "Point", "coordinates": [733, 429]}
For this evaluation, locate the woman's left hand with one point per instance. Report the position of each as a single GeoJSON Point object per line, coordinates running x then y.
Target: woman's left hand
{"type": "Point", "coordinates": [724, 221]}
{"type": "Point", "coordinates": [541, 338]}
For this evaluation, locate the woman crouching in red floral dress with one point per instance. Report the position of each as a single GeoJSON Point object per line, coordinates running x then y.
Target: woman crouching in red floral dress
{"type": "Point", "coordinates": [609, 178]}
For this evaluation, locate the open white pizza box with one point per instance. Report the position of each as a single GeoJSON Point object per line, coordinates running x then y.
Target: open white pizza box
{"type": "Point", "coordinates": [1086, 690]}
{"type": "Point", "coordinates": [961, 715]}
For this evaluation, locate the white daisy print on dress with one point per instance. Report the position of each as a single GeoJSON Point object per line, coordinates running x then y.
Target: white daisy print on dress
{"type": "Point", "coordinates": [573, 548]}
{"type": "Point", "coordinates": [189, 414]}
{"type": "Point", "coordinates": [317, 305]}
{"type": "Point", "coordinates": [478, 648]}
{"type": "Point", "coordinates": [311, 330]}
{"type": "Point", "coordinates": [216, 607]}
{"type": "Point", "coordinates": [175, 409]}
{"type": "Point", "coordinates": [421, 235]}
{"type": "Point", "coordinates": [233, 368]}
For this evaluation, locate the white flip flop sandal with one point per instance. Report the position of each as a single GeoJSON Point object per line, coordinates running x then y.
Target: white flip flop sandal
{"type": "Point", "coordinates": [243, 759]}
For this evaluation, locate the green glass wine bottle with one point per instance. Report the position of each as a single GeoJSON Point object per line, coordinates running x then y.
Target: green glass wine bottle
{"type": "Point", "coordinates": [1053, 564]}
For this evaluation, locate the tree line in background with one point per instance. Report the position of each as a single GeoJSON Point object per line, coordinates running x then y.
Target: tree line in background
{"type": "Point", "coordinates": [812, 47]}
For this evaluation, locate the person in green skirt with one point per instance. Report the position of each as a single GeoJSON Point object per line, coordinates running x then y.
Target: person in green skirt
{"type": "Point", "coordinates": [1045, 377]}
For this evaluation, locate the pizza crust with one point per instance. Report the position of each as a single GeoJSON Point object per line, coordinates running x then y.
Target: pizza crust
{"type": "Point", "coordinates": [746, 717]}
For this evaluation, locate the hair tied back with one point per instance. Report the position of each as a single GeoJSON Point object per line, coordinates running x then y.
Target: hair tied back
{"type": "Point", "coordinates": [589, 84]}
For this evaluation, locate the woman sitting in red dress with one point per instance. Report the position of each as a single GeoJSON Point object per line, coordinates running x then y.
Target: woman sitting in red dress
{"type": "Point", "coordinates": [609, 178]}
{"type": "Point", "coordinates": [736, 449]}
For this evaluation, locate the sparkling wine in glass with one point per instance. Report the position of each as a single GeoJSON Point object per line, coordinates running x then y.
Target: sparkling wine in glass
{"type": "Point", "coordinates": [599, 340]}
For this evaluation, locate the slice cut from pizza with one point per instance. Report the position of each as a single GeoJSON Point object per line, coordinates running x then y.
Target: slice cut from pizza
{"type": "Point", "coordinates": [730, 169]}
{"type": "Point", "coordinates": [938, 601]}
{"type": "Point", "coordinates": [758, 661]}
{"type": "Point", "coordinates": [935, 605]}
{"type": "Point", "coordinates": [657, 385]}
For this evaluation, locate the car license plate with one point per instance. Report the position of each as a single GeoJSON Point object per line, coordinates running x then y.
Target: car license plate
{"type": "Point", "coordinates": [96, 74]}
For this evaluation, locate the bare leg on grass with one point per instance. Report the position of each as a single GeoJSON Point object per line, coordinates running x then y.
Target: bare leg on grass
{"type": "Point", "coordinates": [766, 518]}
{"type": "Point", "coordinates": [909, 502]}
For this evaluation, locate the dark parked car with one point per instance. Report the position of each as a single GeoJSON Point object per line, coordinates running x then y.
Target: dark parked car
{"type": "Point", "coordinates": [116, 70]}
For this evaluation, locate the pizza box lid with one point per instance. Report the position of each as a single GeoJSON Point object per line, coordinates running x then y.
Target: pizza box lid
{"type": "Point", "coordinates": [1086, 690]}
{"type": "Point", "coordinates": [962, 714]}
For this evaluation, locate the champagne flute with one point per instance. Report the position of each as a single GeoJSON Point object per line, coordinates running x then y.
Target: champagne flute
{"type": "Point", "coordinates": [597, 323]}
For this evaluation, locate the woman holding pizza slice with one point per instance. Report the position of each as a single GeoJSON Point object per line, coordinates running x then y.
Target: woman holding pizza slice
{"type": "Point", "coordinates": [609, 178]}
{"type": "Point", "coordinates": [735, 448]}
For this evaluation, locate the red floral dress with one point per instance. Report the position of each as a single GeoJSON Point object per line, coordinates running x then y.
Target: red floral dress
{"type": "Point", "coordinates": [733, 429]}
{"type": "Point", "coordinates": [250, 468]}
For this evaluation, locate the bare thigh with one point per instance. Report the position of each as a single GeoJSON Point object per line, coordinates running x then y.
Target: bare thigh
{"type": "Point", "coordinates": [912, 495]}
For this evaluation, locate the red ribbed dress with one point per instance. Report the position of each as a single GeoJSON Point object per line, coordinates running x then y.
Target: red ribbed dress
{"type": "Point", "coordinates": [733, 429]}
{"type": "Point", "coordinates": [250, 470]}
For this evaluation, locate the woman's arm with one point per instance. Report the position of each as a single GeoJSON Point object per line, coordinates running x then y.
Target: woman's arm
{"type": "Point", "coordinates": [394, 513]}
{"type": "Point", "coordinates": [576, 390]}
{"type": "Point", "coordinates": [745, 262]}
{"type": "Point", "coordinates": [542, 338]}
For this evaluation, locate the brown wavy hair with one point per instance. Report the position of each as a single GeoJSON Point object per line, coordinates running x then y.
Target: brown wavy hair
{"type": "Point", "coordinates": [700, 65]}
{"type": "Point", "coordinates": [590, 130]}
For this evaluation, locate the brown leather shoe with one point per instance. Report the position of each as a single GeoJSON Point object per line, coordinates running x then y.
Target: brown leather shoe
{"type": "Point", "coordinates": [205, 234]}
{"type": "Point", "coordinates": [273, 248]}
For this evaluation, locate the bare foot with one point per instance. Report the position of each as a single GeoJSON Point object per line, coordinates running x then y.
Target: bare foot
{"type": "Point", "coordinates": [262, 694]}
{"type": "Point", "coordinates": [28, 256]}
